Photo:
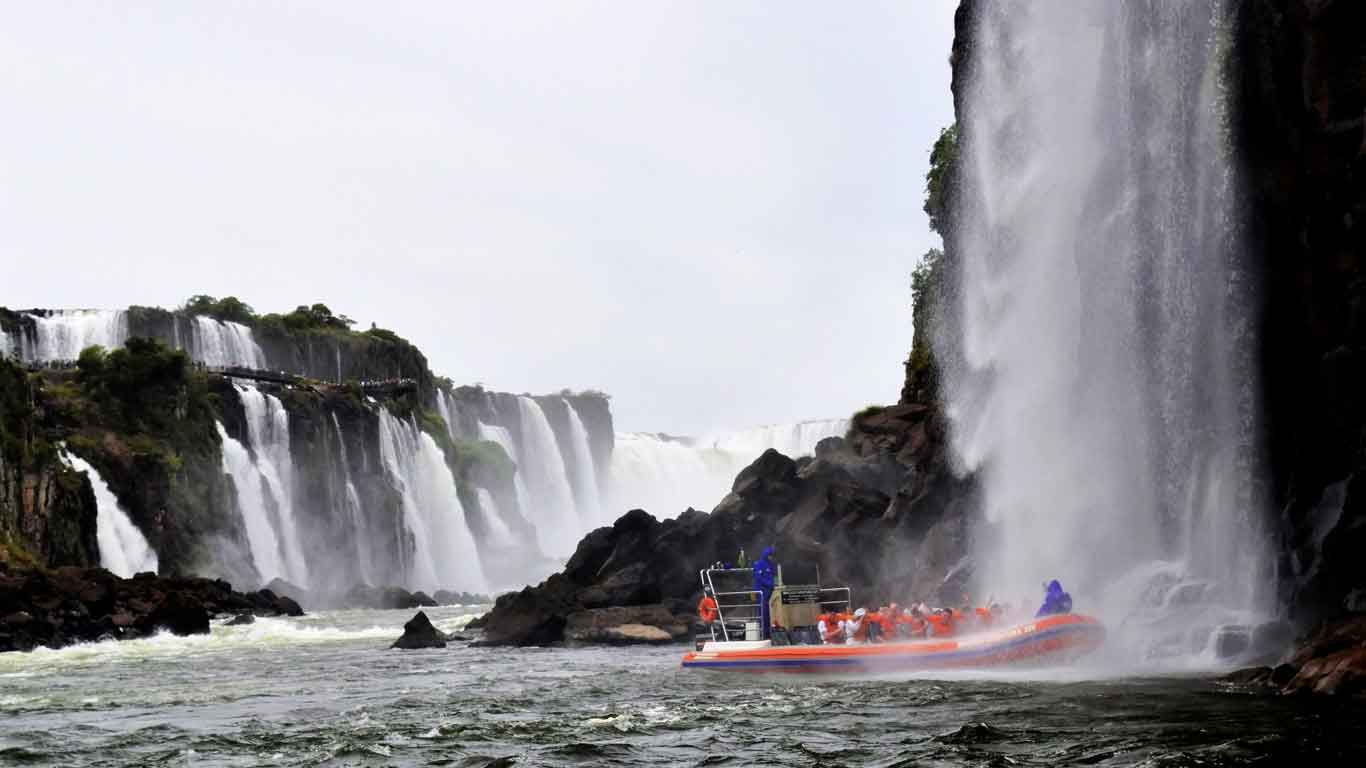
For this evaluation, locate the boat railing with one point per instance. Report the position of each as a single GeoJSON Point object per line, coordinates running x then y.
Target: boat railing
{"type": "Point", "coordinates": [836, 597]}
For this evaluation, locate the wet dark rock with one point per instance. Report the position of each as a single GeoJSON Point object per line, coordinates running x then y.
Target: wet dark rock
{"type": "Point", "coordinates": [447, 597]}
{"type": "Point", "coordinates": [973, 733]}
{"type": "Point", "coordinates": [70, 605]}
{"type": "Point", "coordinates": [178, 613]}
{"type": "Point", "coordinates": [240, 620]}
{"type": "Point", "coordinates": [422, 599]}
{"type": "Point", "coordinates": [419, 633]}
{"type": "Point", "coordinates": [830, 513]}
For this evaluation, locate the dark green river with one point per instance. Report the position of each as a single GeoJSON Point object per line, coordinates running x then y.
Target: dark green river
{"type": "Point", "coordinates": [324, 690]}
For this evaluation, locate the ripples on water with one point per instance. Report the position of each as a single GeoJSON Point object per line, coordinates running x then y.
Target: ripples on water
{"type": "Point", "coordinates": [324, 690]}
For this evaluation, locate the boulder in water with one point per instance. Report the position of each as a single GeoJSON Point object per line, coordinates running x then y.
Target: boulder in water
{"type": "Point", "coordinates": [240, 620]}
{"type": "Point", "coordinates": [419, 633]}
{"type": "Point", "coordinates": [180, 614]}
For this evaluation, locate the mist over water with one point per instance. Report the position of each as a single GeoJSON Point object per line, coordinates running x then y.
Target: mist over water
{"type": "Point", "coordinates": [1101, 380]}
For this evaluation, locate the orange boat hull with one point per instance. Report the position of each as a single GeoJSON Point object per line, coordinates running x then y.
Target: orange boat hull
{"type": "Point", "coordinates": [1049, 640]}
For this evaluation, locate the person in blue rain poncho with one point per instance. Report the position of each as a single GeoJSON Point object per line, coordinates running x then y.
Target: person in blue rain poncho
{"type": "Point", "coordinates": [763, 583]}
{"type": "Point", "coordinates": [1055, 601]}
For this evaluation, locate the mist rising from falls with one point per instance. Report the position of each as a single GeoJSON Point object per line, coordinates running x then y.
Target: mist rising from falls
{"type": "Point", "coordinates": [124, 551]}
{"type": "Point", "coordinates": [666, 475]}
{"type": "Point", "coordinates": [1102, 384]}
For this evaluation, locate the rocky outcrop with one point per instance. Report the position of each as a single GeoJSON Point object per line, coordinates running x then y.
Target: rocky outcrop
{"type": "Point", "coordinates": [1332, 661]}
{"type": "Point", "coordinates": [861, 512]}
{"type": "Point", "coordinates": [1302, 133]}
{"type": "Point", "coordinates": [70, 605]}
{"type": "Point", "coordinates": [419, 633]}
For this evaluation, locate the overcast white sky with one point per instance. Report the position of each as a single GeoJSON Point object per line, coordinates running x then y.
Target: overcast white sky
{"type": "Point", "coordinates": [708, 209]}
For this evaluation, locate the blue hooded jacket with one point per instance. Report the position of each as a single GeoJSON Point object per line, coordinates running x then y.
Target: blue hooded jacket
{"type": "Point", "coordinates": [764, 572]}
{"type": "Point", "coordinates": [1055, 601]}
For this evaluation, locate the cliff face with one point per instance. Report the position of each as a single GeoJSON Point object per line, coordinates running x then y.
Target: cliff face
{"type": "Point", "coordinates": [1302, 136]}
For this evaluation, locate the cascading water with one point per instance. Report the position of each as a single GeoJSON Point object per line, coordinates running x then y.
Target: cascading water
{"type": "Point", "coordinates": [552, 508]}
{"type": "Point", "coordinates": [268, 434]}
{"type": "Point", "coordinates": [790, 439]}
{"type": "Point", "coordinates": [62, 334]}
{"type": "Point", "coordinates": [222, 343]}
{"type": "Point", "coordinates": [444, 552]}
{"type": "Point", "coordinates": [588, 500]}
{"type": "Point", "coordinates": [1100, 377]}
{"type": "Point", "coordinates": [124, 551]}
{"type": "Point", "coordinates": [499, 533]}
{"type": "Point", "coordinates": [250, 487]}
{"type": "Point", "coordinates": [503, 438]}
{"type": "Point", "coordinates": [355, 511]}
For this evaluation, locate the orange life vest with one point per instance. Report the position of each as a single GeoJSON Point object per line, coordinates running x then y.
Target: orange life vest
{"type": "Point", "coordinates": [833, 632]}
{"type": "Point", "coordinates": [984, 616]}
{"type": "Point", "coordinates": [706, 609]}
{"type": "Point", "coordinates": [941, 625]}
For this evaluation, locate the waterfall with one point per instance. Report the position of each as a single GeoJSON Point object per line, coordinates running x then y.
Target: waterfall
{"type": "Point", "coordinates": [268, 435]}
{"type": "Point", "coordinates": [124, 551]}
{"type": "Point", "coordinates": [665, 475]}
{"type": "Point", "coordinates": [246, 478]}
{"type": "Point", "coordinates": [446, 412]}
{"type": "Point", "coordinates": [499, 533]}
{"type": "Point", "coordinates": [552, 508]}
{"type": "Point", "coordinates": [355, 511]}
{"type": "Point", "coordinates": [587, 499]}
{"type": "Point", "coordinates": [6, 345]}
{"type": "Point", "coordinates": [503, 437]}
{"type": "Point", "coordinates": [444, 553]}
{"type": "Point", "coordinates": [222, 343]}
{"type": "Point", "coordinates": [62, 334]}
{"type": "Point", "coordinates": [1101, 380]}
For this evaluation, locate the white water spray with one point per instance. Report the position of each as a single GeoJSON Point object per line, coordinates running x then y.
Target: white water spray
{"type": "Point", "coordinates": [1102, 385]}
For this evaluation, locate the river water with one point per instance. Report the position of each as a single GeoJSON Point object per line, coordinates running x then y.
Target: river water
{"type": "Point", "coordinates": [324, 690]}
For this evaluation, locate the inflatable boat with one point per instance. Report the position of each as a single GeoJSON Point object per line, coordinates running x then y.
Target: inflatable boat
{"type": "Point", "coordinates": [1049, 640]}
{"type": "Point", "coordinates": [774, 630]}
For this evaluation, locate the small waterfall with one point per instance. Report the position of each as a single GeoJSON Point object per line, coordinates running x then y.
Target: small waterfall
{"type": "Point", "coordinates": [585, 484]}
{"type": "Point", "coordinates": [355, 512]}
{"type": "Point", "coordinates": [503, 437]}
{"type": "Point", "coordinates": [250, 486]}
{"type": "Point", "coordinates": [124, 551]}
{"type": "Point", "coordinates": [446, 411]}
{"type": "Point", "coordinates": [268, 434]}
{"type": "Point", "coordinates": [223, 343]}
{"type": "Point", "coordinates": [499, 533]}
{"type": "Point", "coordinates": [552, 509]}
{"type": "Point", "coordinates": [444, 552]}
{"type": "Point", "coordinates": [62, 334]}
{"type": "Point", "coordinates": [1101, 381]}
{"type": "Point", "coordinates": [7, 348]}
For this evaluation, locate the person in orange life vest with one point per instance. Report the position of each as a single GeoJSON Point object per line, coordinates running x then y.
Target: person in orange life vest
{"type": "Point", "coordinates": [941, 623]}
{"type": "Point", "coordinates": [857, 627]}
{"type": "Point", "coordinates": [831, 628]}
{"type": "Point", "coordinates": [911, 622]}
{"type": "Point", "coordinates": [873, 620]}
{"type": "Point", "coordinates": [984, 617]}
{"type": "Point", "coordinates": [886, 621]}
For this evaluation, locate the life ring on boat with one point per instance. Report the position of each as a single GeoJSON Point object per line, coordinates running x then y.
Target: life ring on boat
{"type": "Point", "coordinates": [706, 609]}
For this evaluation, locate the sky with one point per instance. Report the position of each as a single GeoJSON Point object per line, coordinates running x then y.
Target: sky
{"type": "Point", "coordinates": [709, 210]}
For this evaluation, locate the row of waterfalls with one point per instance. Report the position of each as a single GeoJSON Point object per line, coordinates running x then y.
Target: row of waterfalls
{"type": "Point", "coordinates": [346, 497]}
